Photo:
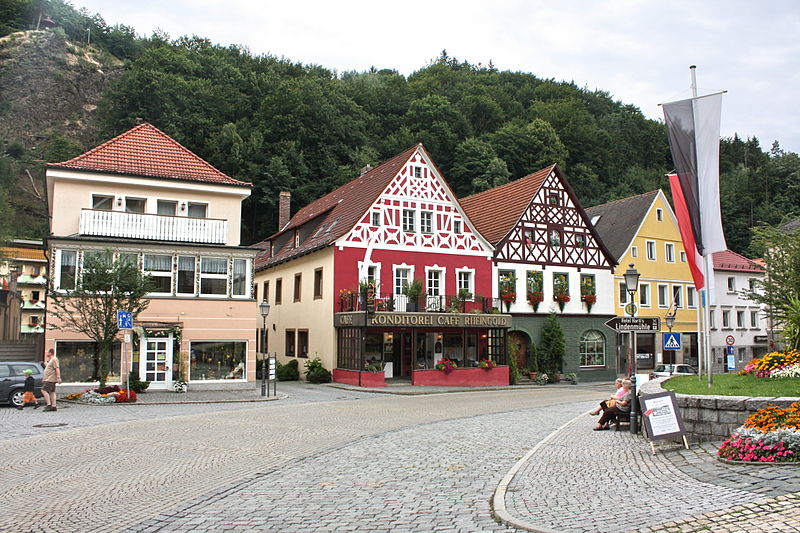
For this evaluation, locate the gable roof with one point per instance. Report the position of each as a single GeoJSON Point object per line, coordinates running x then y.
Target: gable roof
{"type": "Point", "coordinates": [620, 220]}
{"type": "Point", "coordinates": [334, 215]}
{"type": "Point", "coordinates": [144, 150]}
{"type": "Point", "coordinates": [730, 260]}
{"type": "Point", "coordinates": [496, 211]}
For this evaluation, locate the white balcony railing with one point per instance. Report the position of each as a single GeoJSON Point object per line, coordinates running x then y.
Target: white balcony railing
{"type": "Point", "coordinates": [153, 227]}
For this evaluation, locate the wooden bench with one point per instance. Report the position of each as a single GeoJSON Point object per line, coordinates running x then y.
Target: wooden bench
{"type": "Point", "coordinates": [622, 418]}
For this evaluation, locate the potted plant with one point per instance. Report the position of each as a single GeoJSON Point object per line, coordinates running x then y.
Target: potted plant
{"type": "Point", "coordinates": [588, 292]}
{"type": "Point", "coordinates": [486, 364]}
{"type": "Point", "coordinates": [561, 290]}
{"type": "Point", "coordinates": [446, 365]}
{"type": "Point", "coordinates": [412, 291]}
{"type": "Point", "coordinates": [508, 289]}
{"type": "Point", "coordinates": [535, 289]}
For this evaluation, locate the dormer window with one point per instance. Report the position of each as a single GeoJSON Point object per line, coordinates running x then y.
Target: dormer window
{"type": "Point", "coordinates": [296, 238]}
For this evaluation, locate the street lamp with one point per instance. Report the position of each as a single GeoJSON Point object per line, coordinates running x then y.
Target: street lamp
{"type": "Point", "coordinates": [670, 320]}
{"type": "Point", "coordinates": [632, 285]}
{"type": "Point", "coordinates": [263, 308]}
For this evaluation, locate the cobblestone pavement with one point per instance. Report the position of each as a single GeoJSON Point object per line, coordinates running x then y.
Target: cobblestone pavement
{"type": "Point", "coordinates": [326, 459]}
{"type": "Point", "coordinates": [124, 474]}
{"type": "Point", "coordinates": [611, 482]}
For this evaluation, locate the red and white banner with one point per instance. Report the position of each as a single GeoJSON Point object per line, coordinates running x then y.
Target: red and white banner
{"type": "Point", "coordinates": [693, 257]}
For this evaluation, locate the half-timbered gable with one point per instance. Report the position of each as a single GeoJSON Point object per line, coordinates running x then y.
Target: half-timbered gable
{"type": "Point", "coordinates": [553, 230]}
{"type": "Point", "coordinates": [417, 211]}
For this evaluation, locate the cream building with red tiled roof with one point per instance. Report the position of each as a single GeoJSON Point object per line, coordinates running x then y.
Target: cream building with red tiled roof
{"type": "Point", "coordinates": [149, 199]}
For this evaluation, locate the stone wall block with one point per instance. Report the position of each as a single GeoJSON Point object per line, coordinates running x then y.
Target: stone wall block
{"type": "Point", "coordinates": [709, 415]}
{"type": "Point", "coordinates": [732, 403]}
{"type": "Point", "coordinates": [708, 402]}
{"type": "Point", "coordinates": [758, 403]}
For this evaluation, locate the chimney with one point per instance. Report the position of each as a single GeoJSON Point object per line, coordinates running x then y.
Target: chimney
{"type": "Point", "coordinates": [365, 169]}
{"type": "Point", "coordinates": [284, 208]}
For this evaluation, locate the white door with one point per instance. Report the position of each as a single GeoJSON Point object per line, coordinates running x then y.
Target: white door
{"type": "Point", "coordinates": [156, 362]}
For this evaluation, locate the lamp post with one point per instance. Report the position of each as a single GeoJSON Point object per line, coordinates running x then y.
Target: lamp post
{"type": "Point", "coordinates": [670, 321]}
{"type": "Point", "coordinates": [632, 285]}
{"type": "Point", "coordinates": [263, 308]}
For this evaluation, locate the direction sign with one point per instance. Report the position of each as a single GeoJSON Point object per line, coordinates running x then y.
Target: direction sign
{"type": "Point", "coordinates": [124, 320]}
{"type": "Point", "coordinates": [730, 340]}
{"type": "Point", "coordinates": [729, 350]}
{"type": "Point", "coordinates": [672, 341]}
{"type": "Point", "coordinates": [634, 323]}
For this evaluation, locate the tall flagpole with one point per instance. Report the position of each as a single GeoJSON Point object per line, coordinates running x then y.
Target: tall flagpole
{"type": "Point", "coordinates": [708, 283]}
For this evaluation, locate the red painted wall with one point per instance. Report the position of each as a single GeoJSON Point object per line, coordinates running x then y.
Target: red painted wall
{"type": "Point", "coordinates": [462, 377]}
{"type": "Point", "coordinates": [346, 269]}
{"type": "Point", "coordinates": [361, 379]}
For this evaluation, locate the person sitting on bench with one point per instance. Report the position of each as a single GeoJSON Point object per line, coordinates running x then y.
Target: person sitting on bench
{"type": "Point", "coordinates": [618, 391]}
{"type": "Point", "coordinates": [622, 404]}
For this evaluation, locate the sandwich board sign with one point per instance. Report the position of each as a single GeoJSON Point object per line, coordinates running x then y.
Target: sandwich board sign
{"type": "Point", "coordinates": [672, 341]}
{"type": "Point", "coordinates": [662, 418]}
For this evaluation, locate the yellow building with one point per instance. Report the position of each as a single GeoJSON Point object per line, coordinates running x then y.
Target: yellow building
{"type": "Point", "coordinates": [643, 231]}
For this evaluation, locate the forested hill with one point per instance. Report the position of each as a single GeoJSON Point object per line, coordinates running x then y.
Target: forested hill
{"type": "Point", "coordinates": [288, 126]}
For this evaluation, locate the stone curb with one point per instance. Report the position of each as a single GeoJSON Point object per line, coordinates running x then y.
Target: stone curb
{"type": "Point", "coordinates": [794, 464]}
{"type": "Point", "coordinates": [180, 402]}
{"type": "Point", "coordinates": [498, 500]}
{"type": "Point", "coordinates": [382, 390]}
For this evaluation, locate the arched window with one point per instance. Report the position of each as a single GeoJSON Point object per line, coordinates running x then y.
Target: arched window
{"type": "Point", "coordinates": [593, 348]}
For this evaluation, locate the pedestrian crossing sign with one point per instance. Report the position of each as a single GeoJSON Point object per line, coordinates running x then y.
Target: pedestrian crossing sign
{"type": "Point", "coordinates": [672, 341]}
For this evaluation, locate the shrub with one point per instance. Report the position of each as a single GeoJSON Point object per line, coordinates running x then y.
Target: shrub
{"type": "Point", "coordinates": [319, 375]}
{"type": "Point", "coordinates": [136, 385]}
{"type": "Point", "coordinates": [288, 372]}
{"type": "Point", "coordinates": [312, 365]}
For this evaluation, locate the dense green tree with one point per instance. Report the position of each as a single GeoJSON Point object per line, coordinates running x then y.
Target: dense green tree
{"type": "Point", "coordinates": [552, 347]}
{"type": "Point", "coordinates": [476, 168]}
{"type": "Point", "coordinates": [527, 148]}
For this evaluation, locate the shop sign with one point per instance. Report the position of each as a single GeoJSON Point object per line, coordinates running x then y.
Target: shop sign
{"type": "Point", "coordinates": [424, 320]}
{"type": "Point", "coordinates": [759, 339]}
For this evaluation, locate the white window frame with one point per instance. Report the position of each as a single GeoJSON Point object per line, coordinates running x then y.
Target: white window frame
{"type": "Point", "coordinates": [247, 278]}
{"type": "Point", "coordinates": [59, 253]}
{"type": "Point", "coordinates": [669, 252]}
{"type": "Point", "coordinates": [711, 324]}
{"type": "Point", "coordinates": [726, 319]}
{"type": "Point", "coordinates": [442, 279]}
{"type": "Point", "coordinates": [754, 319]}
{"type": "Point", "coordinates": [375, 218]}
{"type": "Point", "coordinates": [470, 273]}
{"type": "Point", "coordinates": [161, 201]}
{"type": "Point", "coordinates": [426, 222]}
{"type": "Point", "coordinates": [650, 246]}
{"type": "Point", "coordinates": [663, 302]}
{"type": "Point", "coordinates": [731, 284]}
{"type": "Point", "coordinates": [582, 345]}
{"type": "Point", "coordinates": [103, 196]}
{"type": "Point", "coordinates": [644, 291]}
{"type": "Point", "coordinates": [160, 274]}
{"type": "Point", "coordinates": [457, 227]}
{"type": "Point", "coordinates": [691, 298]}
{"type": "Point", "coordinates": [677, 296]}
{"type": "Point", "coordinates": [376, 266]}
{"type": "Point", "coordinates": [189, 205]}
{"type": "Point", "coordinates": [741, 320]}
{"type": "Point", "coordinates": [398, 289]}
{"type": "Point", "coordinates": [417, 172]}
{"type": "Point", "coordinates": [408, 221]}
{"type": "Point", "coordinates": [624, 295]}
{"type": "Point", "coordinates": [137, 198]}
{"type": "Point", "coordinates": [194, 277]}
{"type": "Point", "coordinates": [634, 251]}
{"type": "Point", "coordinates": [683, 256]}
{"type": "Point", "coordinates": [203, 276]}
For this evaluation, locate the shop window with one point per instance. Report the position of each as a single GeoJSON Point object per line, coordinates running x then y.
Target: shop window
{"type": "Point", "coordinates": [159, 267]}
{"type": "Point", "coordinates": [318, 284]}
{"type": "Point", "coordinates": [213, 276]}
{"type": "Point", "coordinates": [289, 343]}
{"type": "Point", "coordinates": [213, 360]}
{"type": "Point", "coordinates": [593, 348]}
{"type": "Point", "coordinates": [76, 361]}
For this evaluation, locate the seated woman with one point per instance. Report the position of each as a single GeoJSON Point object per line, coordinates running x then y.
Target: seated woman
{"type": "Point", "coordinates": [622, 404]}
{"type": "Point", "coordinates": [617, 391]}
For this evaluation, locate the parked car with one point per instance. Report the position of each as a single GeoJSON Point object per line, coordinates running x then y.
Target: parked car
{"type": "Point", "coordinates": [12, 380]}
{"type": "Point", "coordinates": [662, 371]}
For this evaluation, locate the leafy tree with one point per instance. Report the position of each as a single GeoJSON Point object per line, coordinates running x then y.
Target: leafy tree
{"type": "Point", "coordinates": [476, 168]}
{"type": "Point", "coordinates": [552, 347]}
{"type": "Point", "coordinates": [779, 291]}
{"type": "Point", "coordinates": [106, 286]}
{"type": "Point", "coordinates": [527, 148]}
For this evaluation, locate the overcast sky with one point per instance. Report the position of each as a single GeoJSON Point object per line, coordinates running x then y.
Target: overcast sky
{"type": "Point", "coordinates": [638, 51]}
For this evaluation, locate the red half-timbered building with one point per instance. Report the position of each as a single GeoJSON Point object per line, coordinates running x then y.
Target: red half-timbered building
{"type": "Point", "coordinates": [385, 276]}
{"type": "Point", "coordinates": [549, 258]}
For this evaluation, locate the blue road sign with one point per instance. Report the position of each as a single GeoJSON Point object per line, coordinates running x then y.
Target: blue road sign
{"type": "Point", "coordinates": [729, 350]}
{"type": "Point", "coordinates": [124, 320]}
{"type": "Point", "coordinates": [672, 341]}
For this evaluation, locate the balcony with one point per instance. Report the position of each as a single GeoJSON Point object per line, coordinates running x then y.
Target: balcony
{"type": "Point", "coordinates": [153, 227]}
{"type": "Point", "coordinates": [427, 303]}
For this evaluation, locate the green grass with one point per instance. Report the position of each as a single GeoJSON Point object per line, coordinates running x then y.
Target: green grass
{"type": "Point", "coordinates": [734, 385]}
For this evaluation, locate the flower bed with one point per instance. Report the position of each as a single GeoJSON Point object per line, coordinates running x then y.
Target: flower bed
{"type": "Point", "coordinates": [769, 435]}
{"type": "Point", "coordinates": [104, 395]}
{"type": "Point", "coordinates": [775, 364]}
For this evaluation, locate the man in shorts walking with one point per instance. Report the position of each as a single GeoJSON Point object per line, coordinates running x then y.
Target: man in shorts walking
{"type": "Point", "coordinates": [52, 375]}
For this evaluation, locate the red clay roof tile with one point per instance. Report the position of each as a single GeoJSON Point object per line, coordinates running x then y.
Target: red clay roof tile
{"type": "Point", "coordinates": [144, 150]}
{"type": "Point", "coordinates": [730, 260]}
